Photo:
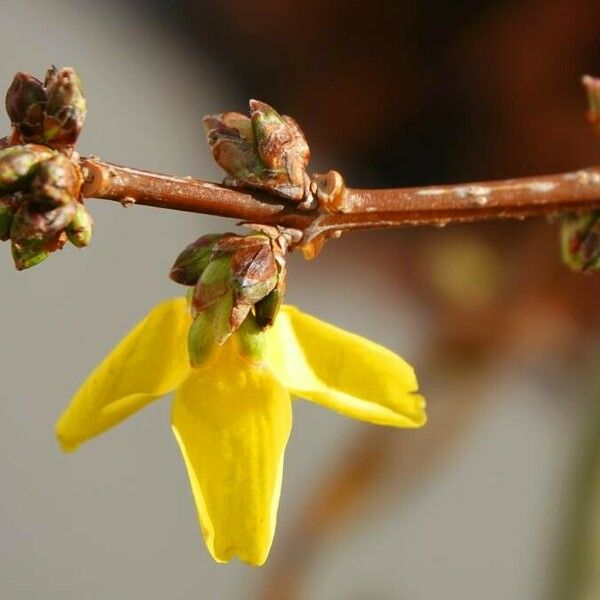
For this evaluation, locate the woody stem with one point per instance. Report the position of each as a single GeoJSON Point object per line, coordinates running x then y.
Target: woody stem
{"type": "Point", "coordinates": [363, 209]}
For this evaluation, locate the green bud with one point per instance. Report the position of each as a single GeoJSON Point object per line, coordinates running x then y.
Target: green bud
{"type": "Point", "coordinates": [213, 284]}
{"type": "Point", "coordinates": [201, 339]}
{"type": "Point", "coordinates": [56, 182]}
{"type": "Point", "coordinates": [267, 309]}
{"type": "Point", "coordinates": [28, 254]}
{"type": "Point", "coordinates": [222, 322]}
{"type": "Point", "coordinates": [252, 340]}
{"type": "Point", "coordinates": [79, 231]}
{"type": "Point", "coordinates": [18, 165]}
{"type": "Point", "coordinates": [65, 107]}
{"type": "Point", "coordinates": [25, 103]}
{"type": "Point", "coordinates": [580, 241]}
{"type": "Point", "coordinates": [190, 264]}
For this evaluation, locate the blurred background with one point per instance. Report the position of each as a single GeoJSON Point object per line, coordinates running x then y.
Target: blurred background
{"type": "Point", "coordinates": [499, 496]}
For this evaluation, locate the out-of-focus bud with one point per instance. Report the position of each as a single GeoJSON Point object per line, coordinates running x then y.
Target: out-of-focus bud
{"type": "Point", "coordinates": [25, 104]}
{"type": "Point", "coordinates": [65, 107]}
{"type": "Point", "coordinates": [268, 151]}
{"type": "Point", "coordinates": [18, 165]}
{"type": "Point", "coordinates": [214, 283]}
{"type": "Point", "coordinates": [580, 241]}
{"type": "Point", "coordinates": [28, 254]}
{"type": "Point", "coordinates": [7, 214]}
{"type": "Point", "coordinates": [282, 148]}
{"type": "Point", "coordinates": [190, 264]}
{"type": "Point", "coordinates": [592, 87]}
{"type": "Point", "coordinates": [80, 229]}
{"type": "Point", "coordinates": [57, 182]}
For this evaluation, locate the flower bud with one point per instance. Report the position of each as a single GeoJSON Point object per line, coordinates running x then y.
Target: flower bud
{"type": "Point", "coordinates": [254, 271]}
{"type": "Point", "coordinates": [190, 264]}
{"type": "Point", "coordinates": [25, 103]}
{"type": "Point", "coordinates": [282, 148]}
{"type": "Point", "coordinates": [580, 241]}
{"type": "Point", "coordinates": [268, 151]}
{"type": "Point", "coordinates": [79, 231]}
{"type": "Point", "coordinates": [7, 215]}
{"type": "Point", "coordinates": [18, 165]}
{"type": "Point", "coordinates": [56, 182]}
{"type": "Point", "coordinates": [65, 107]}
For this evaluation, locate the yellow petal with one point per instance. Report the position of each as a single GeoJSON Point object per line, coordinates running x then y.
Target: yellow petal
{"type": "Point", "coordinates": [343, 371]}
{"type": "Point", "coordinates": [232, 422]}
{"type": "Point", "coordinates": [147, 364]}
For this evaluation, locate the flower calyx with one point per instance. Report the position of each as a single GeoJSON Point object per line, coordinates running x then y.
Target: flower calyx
{"type": "Point", "coordinates": [269, 151]}
{"type": "Point", "coordinates": [238, 286]}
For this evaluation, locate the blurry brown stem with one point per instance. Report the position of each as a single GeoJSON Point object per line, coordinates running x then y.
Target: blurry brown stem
{"type": "Point", "coordinates": [362, 209]}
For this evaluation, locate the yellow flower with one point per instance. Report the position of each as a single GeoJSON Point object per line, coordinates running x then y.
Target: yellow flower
{"type": "Point", "coordinates": [232, 416]}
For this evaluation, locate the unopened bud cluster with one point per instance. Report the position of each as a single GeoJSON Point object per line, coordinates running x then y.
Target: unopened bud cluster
{"type": "Point", "coordinates": [40, 177]}
{"type": "Point", "coordinates": [51, 112]}
{"type": "Point", "coordinates": [237, 284]}
{"type": "Point", "coordinates": [266, 151]}
{"type": "Point", "coordinates": [40, 206]}
{"type": "Point", "coordinates": [580, 241]}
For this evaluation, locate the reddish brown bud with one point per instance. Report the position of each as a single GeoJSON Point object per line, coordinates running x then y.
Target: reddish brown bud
{"type": "Point", "coordinates": [65, 107]}
{"type": "Point", "coordinates": [25, 103]}
{"type": "Point", "coordinates": [254, 272]}
{"type": "Point", "coordinates": [57, 181]}
{"type": "Point", "coordinates": [268, 151]}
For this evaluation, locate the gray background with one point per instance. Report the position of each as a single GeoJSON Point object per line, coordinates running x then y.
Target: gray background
{"type": "Point", "coordinates": [116, 520]}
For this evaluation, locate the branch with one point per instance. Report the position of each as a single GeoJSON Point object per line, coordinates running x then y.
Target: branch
{"type": "Point", "coordinates": [361, 209]}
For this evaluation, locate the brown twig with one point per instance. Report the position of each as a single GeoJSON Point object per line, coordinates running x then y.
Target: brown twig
{"type": "Point", "coordinates": [361, 209]}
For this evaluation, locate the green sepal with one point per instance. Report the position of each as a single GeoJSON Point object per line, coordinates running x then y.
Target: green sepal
{"type": "Point", "coordinates": [201, 339]}
{"type": "Point", "coordinates": [213, 285]}
{"type": "Point", "coordinates": [252, 340]}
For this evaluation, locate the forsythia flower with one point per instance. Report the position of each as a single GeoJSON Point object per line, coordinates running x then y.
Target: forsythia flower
{"type": "Point", "coordinates": [232, 415]}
